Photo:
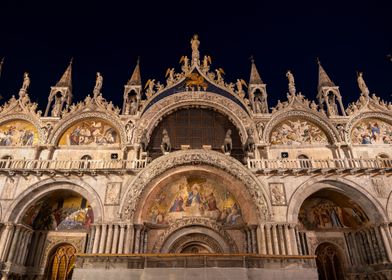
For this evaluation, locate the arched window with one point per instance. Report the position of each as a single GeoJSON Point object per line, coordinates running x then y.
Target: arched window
{"type": "Point", "coordinates": [304, 161]}
{"type": "Point", "coordinates": [4, 161]}
{"type": "Point", "coordinates": [329, 262]}
{"type": "Point", "coordinates": [385, 161]}
{"type": "Point", "coordinates": [85, 161]}
{"type": "Point", "coordinates": [62, 263]}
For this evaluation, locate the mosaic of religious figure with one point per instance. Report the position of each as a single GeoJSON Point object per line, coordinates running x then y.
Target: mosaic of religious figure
{"type": "Point", "coordinates": [93, 132]}
{"type": "Point", "coordinates": [18, 133]}
{"type": "Point", "coordinates": [372, 131]}
{"type": "Point", "coordinates": [319, 213]}
{"type": "Point", "coordinates": [56, 213]}
{"type": "Point", "coordinates": [295, 132]}
{"type": "Point", "coordinates": [195, 197]}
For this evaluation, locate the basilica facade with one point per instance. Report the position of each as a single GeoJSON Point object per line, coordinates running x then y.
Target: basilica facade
{"type": "Point", "coordinates": [196, 178]}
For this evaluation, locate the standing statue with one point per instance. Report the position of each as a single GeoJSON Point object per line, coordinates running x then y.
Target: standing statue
{"type": "Point", "coordinates": [260, 128]}
{"type": "Point", "coordinates": [206, 61]}
{"type": "Point", "coordinates": [195, 43]}
{"type": "Point", "coordinates": [98, 84]}
{"type": "Point", "coordinates": [56, 107]}
{"type": "Point", "coordinates": [362, 85]}
{"type": "Point", "coordinates": [165, 144]}
{"type": "Point", "coordinates": [133, 107]}
{"type": "Point", "coordinates": [144, 141]}
{"type": "Point", "coordinates": [26, 81]}
{"type": "Point", "coordinates": [227, 143]}
{"type": "Point", "coordinates": [130, 128]}
{"type": "Point", "coordinates": [290, 77]}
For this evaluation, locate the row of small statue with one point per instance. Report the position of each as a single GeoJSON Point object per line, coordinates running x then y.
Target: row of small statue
{"type": "Point", "coordinates": [227, 146]}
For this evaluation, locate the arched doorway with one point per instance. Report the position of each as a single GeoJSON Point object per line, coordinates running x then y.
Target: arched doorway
{"type": "Point", "coordinates": [329, 262]}
{"type": "Point", "coordinates": [61, 263]}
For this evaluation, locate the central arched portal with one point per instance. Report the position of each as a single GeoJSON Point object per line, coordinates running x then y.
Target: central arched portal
{"type": "Point", "coordinates": [199, 209]}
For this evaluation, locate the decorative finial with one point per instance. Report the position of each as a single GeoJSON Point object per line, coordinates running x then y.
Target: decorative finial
{"type": "Point", "coordinates": [195, 43]}
{"type": "Point", "coordinates": [71, 61]}
{"type": "Point", "coordinates": [361, 84]}
{"type": "Point", "coordinates": [318, 61]}
{"type": "Point", "coordinates": [252, 59]}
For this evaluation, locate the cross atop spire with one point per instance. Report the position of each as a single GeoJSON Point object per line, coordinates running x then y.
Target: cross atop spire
{"type": "Point", "coordinates": [324, 80]}
{"type": "Point", "coordinates": [254, 74]}
{"type": "Point", "coordinates": [135, 78]}
{"type": "Point", "coordinates": [66, 79]}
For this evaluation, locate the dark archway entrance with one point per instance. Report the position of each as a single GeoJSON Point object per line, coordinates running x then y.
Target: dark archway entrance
{"type": "Point", "coordinates": [329, 262]}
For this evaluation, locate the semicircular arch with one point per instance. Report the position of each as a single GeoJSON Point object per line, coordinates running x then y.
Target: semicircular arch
{"type": "Point", "coordinates": [366, 116]}
{"type": "Point", "coordinates": [136, 186]}
{"type": "Point", "coordinates": [350, 189]}
{"type": "Point", "coordinates": [36, 123]}
{"type": "Point", "coordinates": [63, 125]}
{"type": "Point", "coordinates": [187, 226]}
{"type": "Point", "coordinates": [38, 190]}
{"type": "Point", "coordinates": [329, 130]}
{"type": "Point", "coordinates": [233, 111]}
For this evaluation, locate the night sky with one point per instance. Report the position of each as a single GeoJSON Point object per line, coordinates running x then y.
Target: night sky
{"type": "Point", "coordinates": [108, 37]}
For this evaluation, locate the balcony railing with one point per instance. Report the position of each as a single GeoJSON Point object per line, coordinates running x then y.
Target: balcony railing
{"type": "Point", "coordinates": [346, 164]}
{"type": "Point", "coordinates": [71, 165]}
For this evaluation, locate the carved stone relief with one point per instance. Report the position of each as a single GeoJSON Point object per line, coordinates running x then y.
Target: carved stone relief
{"type": "Point", "coordinates": [278, 195]}
{"type": "Point", "coordinates": [113, 191]}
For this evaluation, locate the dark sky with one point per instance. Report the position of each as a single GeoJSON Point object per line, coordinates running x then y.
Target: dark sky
{"type": "Point", "coordinates": [108, 36]}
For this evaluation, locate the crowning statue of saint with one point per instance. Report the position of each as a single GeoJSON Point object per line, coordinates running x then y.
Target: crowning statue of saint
{"type": "Point", "coordinates": [195, 43]}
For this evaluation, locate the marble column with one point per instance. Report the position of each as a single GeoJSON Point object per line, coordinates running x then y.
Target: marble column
{"type": "Point", "coordinates": [4, 242]}
{"type": "Point", "coordinates": [370, 245]}
{"type": "Point", "coordinates": [22, 244]}
{"type": "Point", "coordinates": [387, 245]}
{"type": "Point", "coordinates": [293, 239]}
{"type": "Point", "coordinates": [39, 248]}
{"type": "Point", "coordinates": [91, 239]}
{"type": "Point", "coordinates": [137, 238]}
{"type": "Point", "coordinates": [275, 240]}
{"type": "Point", "coordinates": [288, 239]}
{"type": "Point", "coordinates": [109, 240]}
{"type": "Point", "coordinates": [28, 243]}
{"type": "Point", "coordinates": [14, 243]}
{"type": "Point", "coordinates": [145, 241]}
{"type": "Point", "coordinates": [121, 240]}
{"type": "Point", "coordinates": [248, 240]}
{"type": "Point", "coordinates": [280, 232]}
{"type": "Point", "coordinates": [96, 238]}
{"type": "Point", "coordinates": [270, 251]}
{"type": "Point", "coordinates": [261, 240]}
{"type": "Point", "coordinates": [103, 239]}
{"type": "Point", "coordinates": [254, 240]}
{"type": "Point", "coordinates": [115, 239]}
{"type": "Point", "coordinates": [129, 239]}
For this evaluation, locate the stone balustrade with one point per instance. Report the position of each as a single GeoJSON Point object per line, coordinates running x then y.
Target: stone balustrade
{"type": "Point", "coordinates": [256, 165]}
{"type": "Point", "coordinates": [70, 165]}
{"type": "Point", "coordinates": [320, 165]}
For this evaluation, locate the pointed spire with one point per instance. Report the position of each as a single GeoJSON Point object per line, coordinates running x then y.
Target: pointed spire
{"type": "Point", "coordinates": [324, 80]}
{"type": "Point", "coordinates": [254, 74]}
{"type": "Point", "coordinates": [66, 79]}
{"type": "Point", "coordinates": [135, 78]}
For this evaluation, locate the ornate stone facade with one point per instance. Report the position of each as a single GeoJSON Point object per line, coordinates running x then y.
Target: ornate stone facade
{"type": "Point", "coordinates": [300, 180]}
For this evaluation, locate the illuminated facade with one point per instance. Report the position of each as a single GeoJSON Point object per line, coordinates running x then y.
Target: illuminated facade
{"type": "Point", "coordinates": [196, 176]}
